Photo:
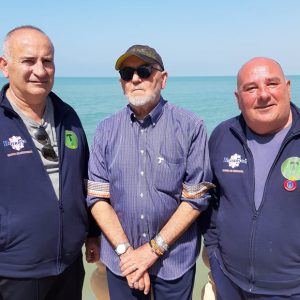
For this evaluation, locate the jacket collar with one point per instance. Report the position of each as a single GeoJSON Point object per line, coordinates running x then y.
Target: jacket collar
{"type": "Point", "coordinates": [60, 108]}
{"type": "Point", "coordinates": [153, 116]}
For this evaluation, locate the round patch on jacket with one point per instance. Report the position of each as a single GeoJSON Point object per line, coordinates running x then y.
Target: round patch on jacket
{"type": "Point", "coordinates": [290, 185]}
{"type": "Point", "coordinates": [71, 140]}
{"type": "Point", "coordinates": [290, 168]}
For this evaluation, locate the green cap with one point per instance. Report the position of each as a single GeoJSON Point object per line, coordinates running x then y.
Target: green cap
{"type": "Point", "coordinates": [145, 53]}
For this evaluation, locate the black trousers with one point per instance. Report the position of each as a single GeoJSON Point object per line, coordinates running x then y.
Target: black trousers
{"type": "Point", "coordinates": [178, 289]}
{"type": "Point", "coordinates": [67, 285]}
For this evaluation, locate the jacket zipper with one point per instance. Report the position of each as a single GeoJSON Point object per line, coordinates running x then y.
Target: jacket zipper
{"type": "Point", "coordinates": [59, 137]}
{"type": "Point", "coordinates": [257, 211]}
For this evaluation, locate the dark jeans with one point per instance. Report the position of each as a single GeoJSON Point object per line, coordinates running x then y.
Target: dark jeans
{"type": "Point", "coordinates": [178, 289]}
{"type": "Point", "coordinates": [66, 286]}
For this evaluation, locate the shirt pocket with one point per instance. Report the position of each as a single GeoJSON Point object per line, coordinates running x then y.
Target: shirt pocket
{"type": "Point", "coordinates": [168, 174]}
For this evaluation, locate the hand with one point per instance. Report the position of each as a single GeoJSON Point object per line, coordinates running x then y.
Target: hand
{"type": "Point", "coordinates": [92, 249]}
{"type": "Point", "coordinates": [137, 261]}
{"type": "Point", "coordinates": [143, 284]}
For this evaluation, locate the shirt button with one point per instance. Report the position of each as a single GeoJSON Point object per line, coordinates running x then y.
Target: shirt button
{"type": "Point", "coordinates": [142, 130]}
{"type": "Point", "coordinates": [142, 151]}
{"type": "Point", "coordinates": [142, 217]}
{"type": "Point", "coordinates": [142, 195]}
{"type": "Point", "coordinates": [142, 173]}
{"type": "Point", "coordinates": [144, 234]}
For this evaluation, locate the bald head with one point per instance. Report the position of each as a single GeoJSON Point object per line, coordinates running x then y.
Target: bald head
{"type": "Point", "coordinates": [256, 62]}
{"type": "Point", "coordinates": [15, 33]}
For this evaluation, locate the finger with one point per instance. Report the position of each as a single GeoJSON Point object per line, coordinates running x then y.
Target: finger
{"type": "Point", "coordinates": [127, 265]}
{"type": "Point", "coordinates": [129, 281]}
{"type": "Point", "coordinates": [136, 285]}
{"type": "Point", "coordinates": [131, 269]}
{"type": "Point", "coordinates": [137, 275]}
{"type": "Point", "coordinates": [147, 283]}
{"type": "Point", "coordinates": [141, 284]}
{"type": "Point", "coordinates": [124, 267]}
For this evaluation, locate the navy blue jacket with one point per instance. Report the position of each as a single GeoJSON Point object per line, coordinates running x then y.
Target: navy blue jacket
{"type": "Point", "coordinates": [39, 235]}
{"type": "Point", "coordinates": [258, 249]}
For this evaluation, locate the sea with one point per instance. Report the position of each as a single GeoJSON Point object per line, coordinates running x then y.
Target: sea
{"type": "Point", "coordinates": [211, 98]}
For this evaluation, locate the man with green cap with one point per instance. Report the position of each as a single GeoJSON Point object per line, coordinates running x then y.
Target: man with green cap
{"type": "Point", "coordinates": [149, 177]}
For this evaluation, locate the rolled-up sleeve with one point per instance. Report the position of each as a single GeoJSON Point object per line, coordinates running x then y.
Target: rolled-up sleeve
{"type": "Point", "coordinates": [198, 178]}
{"type": "Point", "coordinates": [98, 183]}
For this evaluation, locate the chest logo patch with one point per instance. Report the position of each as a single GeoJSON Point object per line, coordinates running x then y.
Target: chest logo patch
{"type": "Point", "coordinates": [71, 140]}
{"type": "Point", "coordinates": [290, 169]}
{"type": "Point", "coordinates": [235, 160]}
{"type": "Point", "coordinates": [16, 143]}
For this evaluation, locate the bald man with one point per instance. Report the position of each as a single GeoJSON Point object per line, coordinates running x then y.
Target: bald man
{"type": "Point", "coordinates": [43, 156]}
{"type": "Point", "coordinates": [254, 239]}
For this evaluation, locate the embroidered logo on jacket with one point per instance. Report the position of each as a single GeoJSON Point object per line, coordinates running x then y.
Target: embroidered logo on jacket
{"type": "Point", "coordinates": [71, 140]}
{"type": "Point", "coordinates": [16, 143]}
{"type": "Point", "coordinates": [234, 162]}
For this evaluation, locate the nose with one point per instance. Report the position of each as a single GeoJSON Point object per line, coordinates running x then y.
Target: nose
{"type": "Point", "coordinates": [264, 93]}
{"type": "Point", "coordinates": [136, 78]}
{"type": "Point", "coordinates": [39, 69]}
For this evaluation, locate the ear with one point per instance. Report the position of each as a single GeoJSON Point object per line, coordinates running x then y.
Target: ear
{"type": "Point", "coordinates": [122, 85]}
{"type": "Point", "coordinates": [288, 86]}
{"type": "Point", "coordinates": [164, 75]}
{"type": "Point", "coordinates": [3, 66]}
{"type": "Point", "coordinates": [237, 97]}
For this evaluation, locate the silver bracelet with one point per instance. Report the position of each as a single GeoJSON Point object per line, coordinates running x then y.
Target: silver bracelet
{"type": "Point", "coordinates": [161, 242]}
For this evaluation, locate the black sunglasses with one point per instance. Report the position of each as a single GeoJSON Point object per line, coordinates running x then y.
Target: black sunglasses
{"type": "Point", "coordinates": [143, 71]}
{"type": "Point", "coordinates": [42, 137]}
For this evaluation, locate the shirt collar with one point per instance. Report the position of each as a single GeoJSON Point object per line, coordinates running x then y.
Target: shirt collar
{"type": "Point", "coordinates": [152, 118]}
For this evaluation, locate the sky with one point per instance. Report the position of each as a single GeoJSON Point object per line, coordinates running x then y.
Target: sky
{"type": "Point", "coordinates": [194, 37]}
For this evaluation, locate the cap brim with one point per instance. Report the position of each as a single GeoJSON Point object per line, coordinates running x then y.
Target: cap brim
{"type": "Point", "coordinates": [123, 57]}
{"type": "Point", "coordinates": [121, 60]}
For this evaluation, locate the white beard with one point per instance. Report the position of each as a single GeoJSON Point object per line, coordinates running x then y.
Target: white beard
{"type": "Point", "coordinates": [141, 101]}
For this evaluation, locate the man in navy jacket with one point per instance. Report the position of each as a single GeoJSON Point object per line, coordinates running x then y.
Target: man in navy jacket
{"type": "Point", "coordinates": [43, 156]}
{"type": "Point", "coordinates": [254, 239]}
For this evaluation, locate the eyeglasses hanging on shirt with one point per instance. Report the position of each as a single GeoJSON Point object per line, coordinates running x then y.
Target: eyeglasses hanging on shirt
{"type": "Point", "coordinates": [47, 151]}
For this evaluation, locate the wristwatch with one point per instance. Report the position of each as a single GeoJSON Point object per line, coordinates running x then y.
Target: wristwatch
{"type": "Point", "coordinates": [121, 248]}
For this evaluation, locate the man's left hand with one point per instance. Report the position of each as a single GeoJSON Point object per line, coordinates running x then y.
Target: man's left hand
{"type": "Point", "coordinates": [92, 249]}
{"type": "Point", "coordinates": [137, 261]}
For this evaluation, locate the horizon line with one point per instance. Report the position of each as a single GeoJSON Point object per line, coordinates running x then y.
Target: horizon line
{"type": "Point", "coordinates": [117, 77]}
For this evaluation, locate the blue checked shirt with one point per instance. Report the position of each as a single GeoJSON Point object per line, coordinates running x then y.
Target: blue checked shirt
{"type": "Point", "coordinates": [145, 169]}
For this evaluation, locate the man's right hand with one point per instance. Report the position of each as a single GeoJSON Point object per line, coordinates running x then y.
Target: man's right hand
{"type": "Point", "coordinates": [143, 284]}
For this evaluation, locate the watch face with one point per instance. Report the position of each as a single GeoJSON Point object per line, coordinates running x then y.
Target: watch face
{"type": "Point", "coordinates": [121, 249]}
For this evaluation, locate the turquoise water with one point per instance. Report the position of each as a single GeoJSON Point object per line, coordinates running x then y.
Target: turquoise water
{"type": "Point", "coordinates": [212, 98]}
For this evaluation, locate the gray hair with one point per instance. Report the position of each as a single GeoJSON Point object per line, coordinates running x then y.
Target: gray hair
{"type": "Point", "coordinates": [6, 46]}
